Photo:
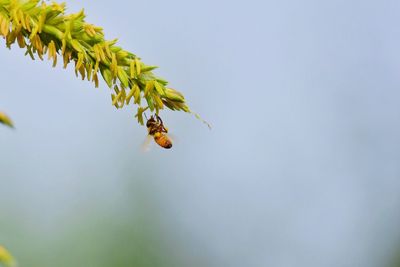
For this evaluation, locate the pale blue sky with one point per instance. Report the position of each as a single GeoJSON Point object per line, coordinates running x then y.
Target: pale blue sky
{"type": "Point", "coordinates": [301, 167]}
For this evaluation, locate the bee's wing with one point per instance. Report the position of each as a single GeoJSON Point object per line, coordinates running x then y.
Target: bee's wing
{"type": "Point", "coordinates": [172, 137]}
{"type": "Point", "coordinates": [147, 143]}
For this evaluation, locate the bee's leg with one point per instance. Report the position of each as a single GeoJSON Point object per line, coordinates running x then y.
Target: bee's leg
{"type": "Point", "coordinates": [161, 124]}
{"type": "Point", "coordinates": [164, 129]}
{"type": "Point", "coordinates": [159, 119]}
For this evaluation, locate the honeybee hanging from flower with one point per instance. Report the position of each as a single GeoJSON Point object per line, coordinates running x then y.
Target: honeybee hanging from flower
{"type": "Point", "coordinates": [158, 132]}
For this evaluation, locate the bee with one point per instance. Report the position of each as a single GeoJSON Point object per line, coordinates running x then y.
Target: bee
{"type": "Point", "coordinates": [158, 131]}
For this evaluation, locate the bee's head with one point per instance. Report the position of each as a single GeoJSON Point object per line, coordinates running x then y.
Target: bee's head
{"type": "Point", "coordinates": [150, 122]}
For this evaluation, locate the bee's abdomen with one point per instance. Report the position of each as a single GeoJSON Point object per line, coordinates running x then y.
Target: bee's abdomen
{"type": "Point", "coordinates": [163, 141]}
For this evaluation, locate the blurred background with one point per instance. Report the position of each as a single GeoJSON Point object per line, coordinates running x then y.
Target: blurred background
{"type": "Point", "coordinates": [301, 168]}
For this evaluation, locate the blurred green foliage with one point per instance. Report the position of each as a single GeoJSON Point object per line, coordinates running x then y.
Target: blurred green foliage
{"type": "Point", "coordinates": [134, 232]}
{"type": "Point", "coordinates": [6, 258]}
{"type": "Point", "coordinates": [6, 120]}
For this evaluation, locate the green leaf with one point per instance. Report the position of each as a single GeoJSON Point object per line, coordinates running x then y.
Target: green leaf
{"type": "Point", "coordinates": [159, 88]}
{"type": "Point", "coordinates": [107, 76]}
{"type": "Point", "coordinates": [123, 77]}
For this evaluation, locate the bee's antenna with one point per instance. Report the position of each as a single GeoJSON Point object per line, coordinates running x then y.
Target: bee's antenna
{"type": "Point", "coordinates": [145, 116]}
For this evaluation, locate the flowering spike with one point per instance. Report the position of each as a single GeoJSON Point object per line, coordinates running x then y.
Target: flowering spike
{"type": "Point", "coordinates": [44, 28]}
